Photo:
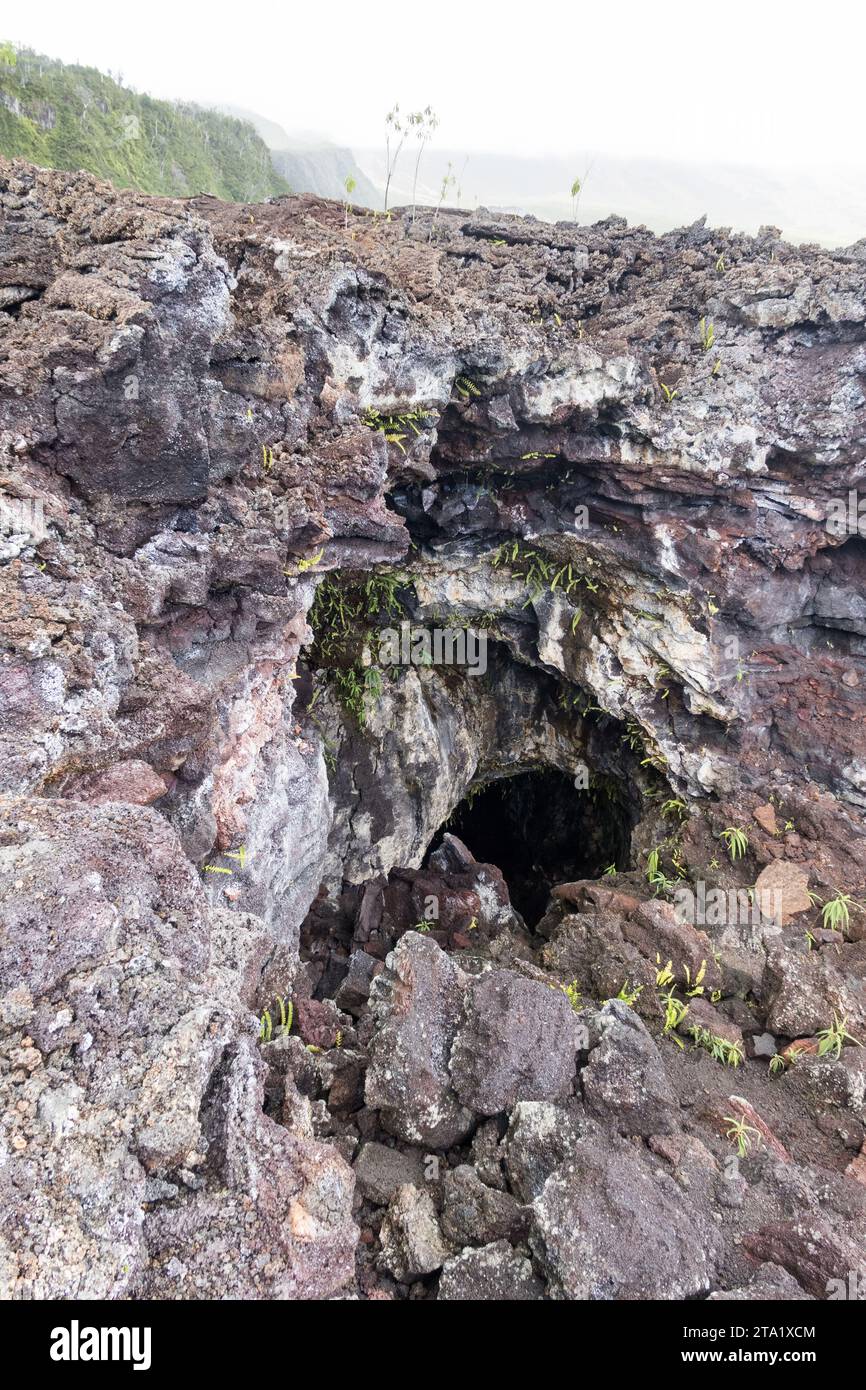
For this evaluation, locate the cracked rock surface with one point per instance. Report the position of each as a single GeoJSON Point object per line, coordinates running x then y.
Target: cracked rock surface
{"type": "Point", "coordinates": [240, 1055]}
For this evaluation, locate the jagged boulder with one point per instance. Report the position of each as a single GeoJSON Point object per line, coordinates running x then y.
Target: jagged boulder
{"type": "Point", "coordinates": [540, 1139]}
{"type": "Point", "coordinates": [417, 1006]}
{"type": "Point", "coordinates": [494, 1272]}
{"type": "Point", "coordinates": [624, 1079]}
{"type": "Point", "coordinates": [608, 1224]}
{"type": "Point", "coordinates": [806, 989]}
{"type": "Point", "coordinates": [518, 1039]}
{"type": "Point", "coordinates": [411, 1237]}
{"type": "Point", "coordinates": [474, 1214]}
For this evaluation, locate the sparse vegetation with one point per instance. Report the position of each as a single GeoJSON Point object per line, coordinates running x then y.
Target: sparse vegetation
{"type": "Point", "coordinates": [743, 1135]}
{"type": "Point", "coordinates": [423, 123]}
{"type": "Point", "coordinates": [836, 912]}
{"type": "Point", "coordinates": [466, 388]}
{"type": "Point", "coordinates": [539, 573]}
{"type": "Point", "coordinates": [730, 1054]}
{"type": "Point", "coordinates": [395, 135]}
{"type": "Point", "coordinates": [629, 995]}
{"type": "Point", "coordinates": [345, 613]}
{"type": "Point", "coordinates": [287, 1016]}
{"type": "Point", "coordinates": [831, 1040]}
{"type": "Point", "coordinates": [674, 1013]}
{"type": "Point", "coordinates": [575, 192]}
{"type": "Point", "coordinates": [736, 842]}
{"type": "Point", "coordinates": [448, 181]}
{"type": "Point", "coordinates": [310, 561]}
{"type": "Point", "coordinates": [394, 426]}
{"type": "Point", "coordinates": [572, 993]}
{"type": "Point", "coordinates": [350, 185]}
{"type": "Point", "coordinates": [698, 987]}
{"type": "Point", "coordinates": [656, 875]}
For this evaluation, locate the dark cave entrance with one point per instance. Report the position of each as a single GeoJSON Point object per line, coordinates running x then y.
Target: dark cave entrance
{"type": "Point", "coordinates": [540, 829]}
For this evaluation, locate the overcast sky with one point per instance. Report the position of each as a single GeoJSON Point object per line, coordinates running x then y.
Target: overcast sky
{"type": "Point", "coordinates": [761, 81]}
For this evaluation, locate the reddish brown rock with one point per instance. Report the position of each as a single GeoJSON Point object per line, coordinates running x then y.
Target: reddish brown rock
{"type": "Point", "coordinates": [134, 782]}
{"type": "Point", "coordinates": [740, 1109]}
{"type": "Point", "coordinates": [857, 1167]}
{"type": "Point", "coordinates": [766, 817]}
{"type": "Point", "coordinates": [782, 891]}
{"type": "Point", "coordinates": [317, 1022]}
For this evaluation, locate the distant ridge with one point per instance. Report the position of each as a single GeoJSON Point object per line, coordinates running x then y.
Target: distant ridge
{"type": "Point", "coordinates": [64, 116]}
{"type": "Point", "coordinates": [309, 163]}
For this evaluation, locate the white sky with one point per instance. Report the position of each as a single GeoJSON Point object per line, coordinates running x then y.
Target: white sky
{"type": "Point", "coordinates": [776, 82]}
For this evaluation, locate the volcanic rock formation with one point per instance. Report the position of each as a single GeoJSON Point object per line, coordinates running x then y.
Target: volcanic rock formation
{"type": "Point", "coordinates": [325, 972]}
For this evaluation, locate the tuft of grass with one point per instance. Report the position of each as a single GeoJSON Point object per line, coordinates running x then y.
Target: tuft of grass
{"type": "Point", "coordinates": [674, 1013]}
{"type": "Point", "coordinates": [730, 1054]}
{"type": "Point", "coordinates": [736, 842]}
{"type": "Point", "coordinates": [743, 1135]}
{"type": "Point", "coordinates": [831, 1040]}
{"type": "Point", "coordinates": [836, 912]}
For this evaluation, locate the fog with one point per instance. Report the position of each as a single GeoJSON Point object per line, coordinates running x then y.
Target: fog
{"type": "Point", "coordinates": [771, 87]}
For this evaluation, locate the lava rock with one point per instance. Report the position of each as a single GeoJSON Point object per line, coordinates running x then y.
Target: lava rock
{"type": "Point", "coordinates": [417, 1004]}
{"type": "Point", "coordinates": [296, 1239]}
{"type": "Point", "coordinates": [703, 1017]}
{"type": "Point", "coordinates": [494, 1272]}
{"type": "Point", "coordinates": [318, 1022]}
{"type": "Point", "coordinates": [782, 891]}
{"type": "Point", "coordinates": [625, 1079]}
{"type": "Point", "coordinates": [519, 1040]}
{"type": "Point", "coordinates": [761, 1045]}
{"type": "Point", "coordinates": [486, 1155]}
{"type": "Point", "coordinates": [540, 1138]}
{"type": "Point", "coordinates": [354, 990]}
{"type": "Point", "coordinates": [474, 1214]}
{"type": "Point", "coordinates": [770, 1283]}
{"type": "Point", "coordinates": [804, 989]}
{"type": "Point", "coordinates": [607, 1225]}
{"type": "Point", "coordinates": [821, 1259]}
{"type": "Point", "coordinates": [412, 1243]}
{"type": "Point", "coordinates": [380, 1171]}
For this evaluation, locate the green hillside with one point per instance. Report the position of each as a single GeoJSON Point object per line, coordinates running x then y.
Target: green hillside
{"type": "Point", "coordinates": [67, 117]}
